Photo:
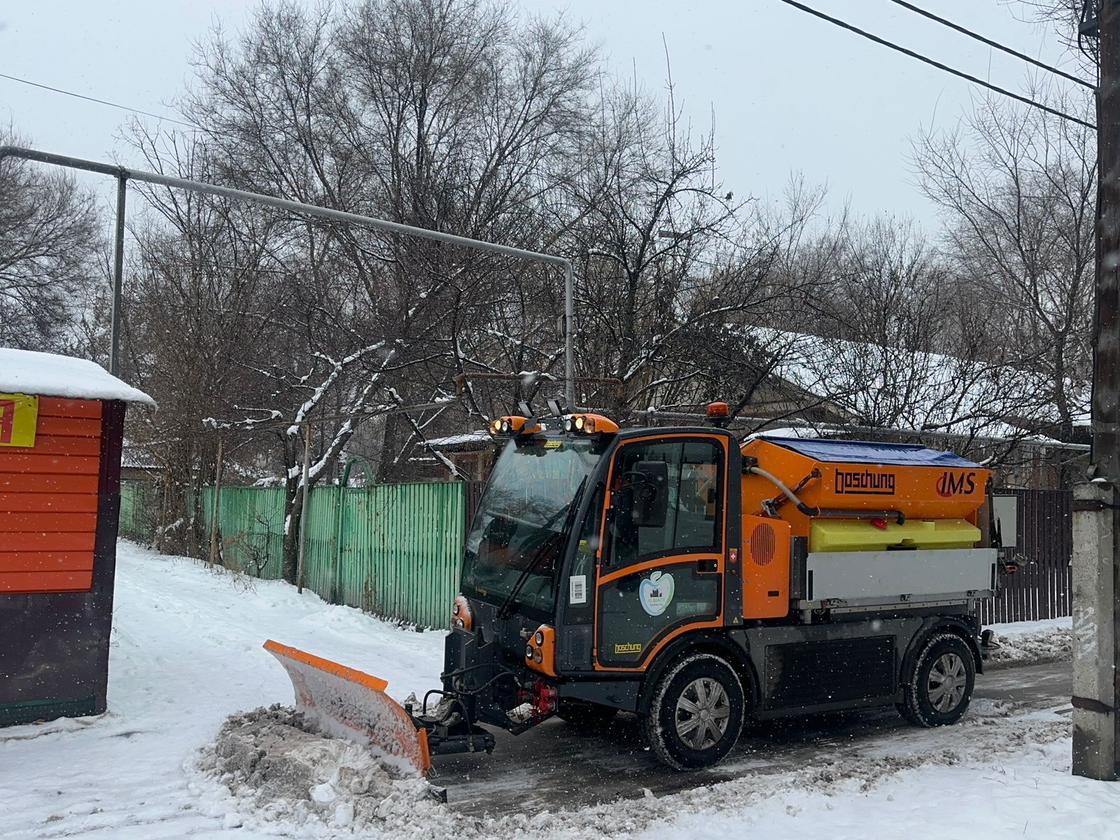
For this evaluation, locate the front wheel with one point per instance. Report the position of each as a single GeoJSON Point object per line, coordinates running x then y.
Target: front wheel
{"type": "Point", "coordinates": [941, 686]}
{"type": "Point", "coordinates": [696, 713]}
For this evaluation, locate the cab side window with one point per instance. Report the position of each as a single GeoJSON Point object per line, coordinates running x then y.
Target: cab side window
{"type": "Point", "coordinates": [665, 499]}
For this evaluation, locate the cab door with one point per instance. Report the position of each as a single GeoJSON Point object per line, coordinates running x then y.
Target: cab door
{"type": "Point", "coordinates": [663, 546]}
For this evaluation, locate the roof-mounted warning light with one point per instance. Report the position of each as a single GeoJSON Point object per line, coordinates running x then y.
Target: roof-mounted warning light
{"type": "Point", "coordinates": [719, 413]}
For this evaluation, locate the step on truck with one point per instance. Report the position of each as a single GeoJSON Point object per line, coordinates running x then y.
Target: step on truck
{"type": "Point", "coordinates": [696, 582]}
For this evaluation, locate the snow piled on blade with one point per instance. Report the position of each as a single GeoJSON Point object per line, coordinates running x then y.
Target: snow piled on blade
{"type": "Point", "coordinates": [280, 775]}
{"type": "Point", "coordinates": [345, 703]}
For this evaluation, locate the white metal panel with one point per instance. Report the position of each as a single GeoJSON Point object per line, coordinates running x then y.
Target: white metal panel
{"type": "Point", "coordinates": [899, 576]}
{"type": "Point", "coordinates": [1006, 510]}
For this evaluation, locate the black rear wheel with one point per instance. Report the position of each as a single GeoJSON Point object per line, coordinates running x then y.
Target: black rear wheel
{"type": "Point", "coordinates": [940, 688]}
{"type": "Point", "coordinates": [696, 713]}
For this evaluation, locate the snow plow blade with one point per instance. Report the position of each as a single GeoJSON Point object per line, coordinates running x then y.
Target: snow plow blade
{"type": "Point", "coordinates": [352, 704]}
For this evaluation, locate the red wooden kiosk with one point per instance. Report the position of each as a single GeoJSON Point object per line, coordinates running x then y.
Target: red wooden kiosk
{"type": "Point", "coordinates": [61, 427]}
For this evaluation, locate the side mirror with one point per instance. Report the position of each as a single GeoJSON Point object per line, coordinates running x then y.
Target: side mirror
{"type": "Point", "coordinates": [650, 482]}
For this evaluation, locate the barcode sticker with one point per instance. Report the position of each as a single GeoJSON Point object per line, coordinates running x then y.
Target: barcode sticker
{"type": "Point", "coordinates": [577, 589]}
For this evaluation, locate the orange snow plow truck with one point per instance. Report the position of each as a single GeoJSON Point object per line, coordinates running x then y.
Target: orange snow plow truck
{"type": "Point", "coordinates": [695, 582]}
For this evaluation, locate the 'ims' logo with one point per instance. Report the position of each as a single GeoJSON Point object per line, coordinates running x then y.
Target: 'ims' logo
{"type": "Point", "coordinates": [953, 485]}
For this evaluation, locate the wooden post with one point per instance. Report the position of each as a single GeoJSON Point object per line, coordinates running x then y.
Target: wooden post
{"type": "Point", "coordinates": [215, 508]}
{"type": "Point", "coordinates": [303, 505]}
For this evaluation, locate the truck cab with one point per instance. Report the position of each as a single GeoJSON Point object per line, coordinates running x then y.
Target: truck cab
{"type": "Point", "coordinates": [696, 582]}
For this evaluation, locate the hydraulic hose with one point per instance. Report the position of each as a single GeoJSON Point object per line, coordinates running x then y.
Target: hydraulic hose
{"type": "Point", "coordinates": [789, 494]}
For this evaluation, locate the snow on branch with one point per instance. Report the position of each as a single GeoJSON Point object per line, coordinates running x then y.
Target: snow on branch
{"type": "Point", "coordinates": [337, 369]}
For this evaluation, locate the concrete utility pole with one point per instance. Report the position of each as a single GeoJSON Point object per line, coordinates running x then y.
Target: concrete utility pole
{"type": "Point", "coordinates": [1096, 549]}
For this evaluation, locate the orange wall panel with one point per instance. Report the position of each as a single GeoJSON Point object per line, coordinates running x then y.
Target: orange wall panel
{"type": "Point", "coordinates": [48, 502]}
{"type": "Point", "coordinates": [13, 582]}
{"type": "Point", "coordinates": [70, 426]}
{"type": "Point", "coordinates": [32, 483]}
{"type": "Point", "coordinates": [45, 561]}
{"type": "Point", "coordinates": [54, 445]}
{"type": "Point", "coordinates": [31, 522]}
{"type": "Point", "coordinates": [59, 407]}
{"type": "Point", "coordinates": [47, 464]}
{"type": "Point", "coordinates": [16, 543]}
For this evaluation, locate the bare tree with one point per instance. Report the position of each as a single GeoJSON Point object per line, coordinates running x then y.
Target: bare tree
{"type": "Point", "coordinates": [49, 247]}
{"type": "Point", "coordinates": [209, 318]}
{"type": "Point", "coordinates": [1017, 189]}
{"type": "Point", "coordinates": [452, 115]}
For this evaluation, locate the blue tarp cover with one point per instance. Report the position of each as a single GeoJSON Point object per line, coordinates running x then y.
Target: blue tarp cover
{"type": "Point", "coordinates": [868, 452]}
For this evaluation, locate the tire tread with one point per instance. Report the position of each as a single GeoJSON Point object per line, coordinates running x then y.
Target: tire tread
{"type": "Point", "coordinates": [911, 707]}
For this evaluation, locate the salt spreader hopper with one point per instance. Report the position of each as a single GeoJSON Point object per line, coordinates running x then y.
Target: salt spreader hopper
{"type": "Point", "coordinates": [695, 582]}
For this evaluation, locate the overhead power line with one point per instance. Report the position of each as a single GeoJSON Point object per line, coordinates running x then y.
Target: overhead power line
{"type": "Point", "coordinates": [1023, 56]}
{"type": "Point", "coordinates": [96, 100]}
{"type": "Point", "coordinates": [925, 59]}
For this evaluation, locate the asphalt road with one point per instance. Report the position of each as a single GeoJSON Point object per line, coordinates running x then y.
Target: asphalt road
{"type": "Point", "coordinates": [554, 767]}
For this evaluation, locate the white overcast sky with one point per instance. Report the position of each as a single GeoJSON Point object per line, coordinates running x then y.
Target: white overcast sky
{"type": "Point", "coordinates": [790, 93]}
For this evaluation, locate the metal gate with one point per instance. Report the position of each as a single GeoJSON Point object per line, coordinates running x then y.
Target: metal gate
{"type": "Point", "coordinates": [1043, 536]}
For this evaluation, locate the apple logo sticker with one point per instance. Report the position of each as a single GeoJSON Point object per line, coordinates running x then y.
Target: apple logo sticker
{"type": "Point", "coordinates": [656, 593]}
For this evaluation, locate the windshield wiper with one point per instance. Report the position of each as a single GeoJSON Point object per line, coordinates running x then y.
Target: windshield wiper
{"type": "Point", "coordinates": [540, 553]}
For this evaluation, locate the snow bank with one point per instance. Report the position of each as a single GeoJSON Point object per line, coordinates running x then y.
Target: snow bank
{"type": "Point", "coordinates": [1032, 641]}
{"type": "Point", "coordinates": [279, 773]}
{"type": "Point", "coordinates": [51, 375]}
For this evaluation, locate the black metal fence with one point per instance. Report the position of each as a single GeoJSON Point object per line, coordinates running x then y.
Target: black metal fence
{"type": "Point", "coordinates": [1043, 586]}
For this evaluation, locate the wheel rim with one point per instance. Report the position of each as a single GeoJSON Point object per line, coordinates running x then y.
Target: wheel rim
{"type": "Point", "coordinates": [702, 714]}
{"type": "Point", "coordinates": [947, 682]}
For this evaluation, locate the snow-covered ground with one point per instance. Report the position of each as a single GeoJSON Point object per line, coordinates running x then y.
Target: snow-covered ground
{"type": "Point", "coordinates": [186, 654]}
{"type": "Point", "coordinates": [1032, 641]}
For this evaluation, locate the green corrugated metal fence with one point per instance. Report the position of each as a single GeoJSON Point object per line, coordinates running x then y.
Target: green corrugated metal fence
{"type": "Point", "coordinates": [139, 508]}
{"type": "Point", "coordinates": [251, 520]}
{"type": "Point", "coordinates": [392, 550]}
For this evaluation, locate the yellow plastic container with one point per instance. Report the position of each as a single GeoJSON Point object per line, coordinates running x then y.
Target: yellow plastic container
{"type": "Point", "coordinates": [862, 535]}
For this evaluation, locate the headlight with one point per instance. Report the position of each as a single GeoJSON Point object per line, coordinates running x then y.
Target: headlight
{"type": "Point", "coordinates": [579, 422]}
{"type": "Point", "coordinates": [528, 651]}
{"type": "Point", "coordinates": [538, 657]}
{"type": "Point", "coordinates": [496, 426]}
{"type": "Point", "coordinates": [538, 637]}
{"type": "Point", "coordinates": [461, 618]}
{"type": "Point", "coordinates": [568, 425]}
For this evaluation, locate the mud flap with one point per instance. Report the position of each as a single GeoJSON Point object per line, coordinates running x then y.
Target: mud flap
{"type": "Point", "coordinates": [347, 703]}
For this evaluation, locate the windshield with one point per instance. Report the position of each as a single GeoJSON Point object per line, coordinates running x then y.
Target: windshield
{"type": "Point", "coordinates": [521, 522]}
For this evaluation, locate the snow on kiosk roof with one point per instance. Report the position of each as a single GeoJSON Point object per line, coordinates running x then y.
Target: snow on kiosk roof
{"type": "Point", "coordinates": [871, 452]}
{"type": "Point", "coordinates": [51, 375]}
